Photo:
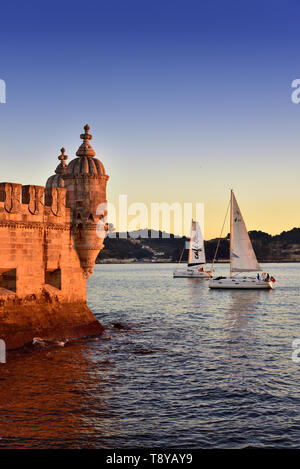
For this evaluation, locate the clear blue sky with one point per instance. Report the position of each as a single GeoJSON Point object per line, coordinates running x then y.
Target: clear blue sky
{"type": "Point", "coordinates": [185, 99]}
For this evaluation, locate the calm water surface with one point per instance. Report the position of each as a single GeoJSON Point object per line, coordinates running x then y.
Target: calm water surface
{"type": "Point", "coordinates": [178, 366]}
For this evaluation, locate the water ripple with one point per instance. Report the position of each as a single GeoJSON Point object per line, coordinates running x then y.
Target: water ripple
{"type": "Point", "coordinates": [178, 366]}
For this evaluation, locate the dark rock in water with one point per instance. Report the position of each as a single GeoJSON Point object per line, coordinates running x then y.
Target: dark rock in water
{"type": "Point", "coordinates": [119, 325]}
{"type": "Point", "coordinates": [46, 342]}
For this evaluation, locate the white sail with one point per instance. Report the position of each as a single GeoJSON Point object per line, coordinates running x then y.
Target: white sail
{"type": "Point", "coordinates": [242, 255]}
{"type": "Point", "coordinates": [196, 251]}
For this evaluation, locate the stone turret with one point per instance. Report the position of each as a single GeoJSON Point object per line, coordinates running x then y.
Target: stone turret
{"type": "Point", "coordinates": [57, 179]}
{"type": "Point", "coordinates": [85, 180]}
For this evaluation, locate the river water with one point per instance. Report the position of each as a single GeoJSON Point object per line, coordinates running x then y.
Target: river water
{"type": "Point", "coordinates": [179, 366]}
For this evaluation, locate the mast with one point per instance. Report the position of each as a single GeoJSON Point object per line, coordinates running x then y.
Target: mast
{"type": "Point", "coordinates": [181, 254]}
{"type": "Point", "coordinates": [220, 237]}
{"type": "Point", "coordinates": [231, 230]}
{"type": "Point", "coordinates": [191, 244]}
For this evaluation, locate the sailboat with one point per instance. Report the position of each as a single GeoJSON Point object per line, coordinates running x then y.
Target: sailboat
{"type": "Point", "coordinates": [196, 260]}
{"type": "Point", "coordinates": [242, 257]}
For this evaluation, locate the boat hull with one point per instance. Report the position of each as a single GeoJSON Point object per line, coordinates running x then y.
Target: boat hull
{"type": "Point", "coordinates": [191, 274]}
{"type": "Point", "coordinates": [240, 283]}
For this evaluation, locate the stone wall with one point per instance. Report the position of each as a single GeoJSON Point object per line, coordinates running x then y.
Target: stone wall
{"type": "Point", "coordinates": [41, 279]}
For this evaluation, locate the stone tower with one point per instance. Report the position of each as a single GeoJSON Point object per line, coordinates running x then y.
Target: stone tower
{"type": "Point", "coordinates": [57, 179]}
{"type": "Point", "coordinates": [49, 242]}
{"type": "Point", "coordinates": [85, 180]}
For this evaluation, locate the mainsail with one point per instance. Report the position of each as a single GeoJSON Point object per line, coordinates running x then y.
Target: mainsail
{"type": "Point", "coordinates": [242, 255]}
{"type": "Point", "coordinates": [196, 251]}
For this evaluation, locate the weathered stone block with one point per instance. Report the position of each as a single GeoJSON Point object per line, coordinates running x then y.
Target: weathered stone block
{"type": "Point", "coordinates": [10, 194]}
{"type": "Point", "coordinates": [33, 196]}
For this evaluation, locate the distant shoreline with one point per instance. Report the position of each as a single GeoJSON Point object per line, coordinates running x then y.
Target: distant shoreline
{"type": "Point", "coordinates": [280, 248]}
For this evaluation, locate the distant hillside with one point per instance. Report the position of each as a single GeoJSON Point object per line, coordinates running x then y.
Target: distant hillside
{"type": "Point", "coordinates": [164, 249]}
{"type": "Point", "coordinates": [284, 247]}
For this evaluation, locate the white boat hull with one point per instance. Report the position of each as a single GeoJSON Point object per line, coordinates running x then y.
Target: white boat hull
{"type": "Point", "coordinates": [191, 274]}
{"type": "Point", "coordinates": [240, 283]}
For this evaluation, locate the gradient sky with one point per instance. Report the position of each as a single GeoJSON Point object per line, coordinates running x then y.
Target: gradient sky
{"type": "Point", "coordinates": [185, 99]}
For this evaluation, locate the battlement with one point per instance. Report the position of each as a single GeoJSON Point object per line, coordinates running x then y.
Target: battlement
{"type": "Point", "coordinates": [33, 204]}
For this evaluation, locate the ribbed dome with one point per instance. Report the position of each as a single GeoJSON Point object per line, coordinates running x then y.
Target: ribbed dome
{"type": "Point", "coordinates": [55, 181]}
{"type": "Point", "coordinates": [85, 165]}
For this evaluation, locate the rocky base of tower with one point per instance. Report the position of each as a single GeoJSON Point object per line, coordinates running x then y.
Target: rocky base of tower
{"type": "Point", "coordinates": [22, 319]}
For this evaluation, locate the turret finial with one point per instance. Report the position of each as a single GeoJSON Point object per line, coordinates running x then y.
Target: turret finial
{"type": "Point", "coordinates": [86, 135]}
{"type": "Point", "coordinates": [61, 168]}
{"type": "Point", "coordinates": [85, 148]}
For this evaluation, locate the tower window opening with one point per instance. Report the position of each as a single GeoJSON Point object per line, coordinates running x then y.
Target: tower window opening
{"type": "Point", "coordinates": [8, 279]}
{"type": "Point", "coordinates": [53, 278]}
